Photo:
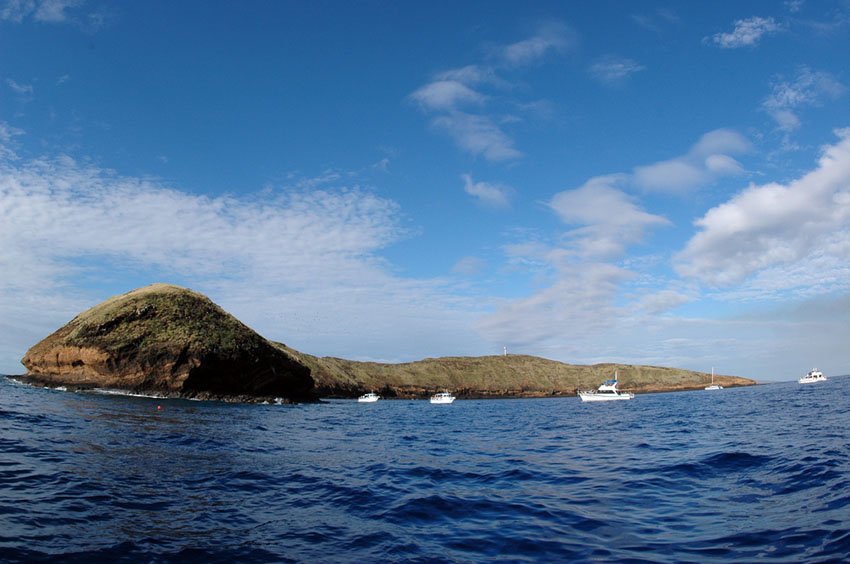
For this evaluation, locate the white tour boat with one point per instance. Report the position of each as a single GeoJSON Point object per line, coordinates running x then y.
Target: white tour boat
{"type": "Point", "coordinates": [606, 392]}
{"type": "Point", "coordinates": [442, 397]}
{"type": "Point", "coordinates": [371, 397]}
{"type": "Point", "coordinates": [812, 376]}
{"type": "Point", "coordinates": [713, 386]}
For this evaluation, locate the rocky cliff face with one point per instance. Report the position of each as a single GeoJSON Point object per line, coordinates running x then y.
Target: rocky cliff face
{"type": "Point", "coordinates": [169, 340]}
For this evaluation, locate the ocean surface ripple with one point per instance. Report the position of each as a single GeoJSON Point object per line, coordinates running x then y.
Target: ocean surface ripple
{"type": "Point", "coordinates": [746, 474]}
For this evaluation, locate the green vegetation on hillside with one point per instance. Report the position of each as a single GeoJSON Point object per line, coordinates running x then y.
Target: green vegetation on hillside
{"type": "Point", "coordinates": [495, 376]}
{"type": "Point", "coordinates": [161, 315]}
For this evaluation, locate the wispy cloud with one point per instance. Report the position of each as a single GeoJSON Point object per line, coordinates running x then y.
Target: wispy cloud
{"type": "Point", "coordinates": [656, 21]}
{"type": "Point", "coordinates": [550, 37]}
{"type": "Point", "coordinates": [54, 10]}
{"type": "Point", "coordinates": [7, 132]}
{"type": "Point", "coordinates": [468, 103]}
{"type": "Point", "coordinates": [23, 91]}
{"type": "Point", "coordinates": [794, 6]}
{"type": "Point", "coordinates": [469, 266]}
{"type": "Point", "coordinates": [487, 194]}
{"type": "Point", "coordinates": [614, 70]}
{"type": "Point", "coordinates": [293, 262]}
{"type": "Point", "coordinates": [478, 135]}
{"type": "Point", "coordinates": [808, 88]}
{"type": "Point", "coordinates": [580, 282]}
{"type": "Point", "coordinates": [710, 158]}
{"type": "Point", "coordinates": [7, 135]}
{"type": "Point", "coordinates": [746, 33]}
{"type": "Point", "coordinates": [51, 11]}
{"type": "Point", "coordinates": [446, 95]}
{"type": "Point", "coordinates": [780, 236]}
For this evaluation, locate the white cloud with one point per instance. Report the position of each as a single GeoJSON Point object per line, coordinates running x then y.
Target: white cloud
{"type": "Point", "coordinates": [382, 165]}
{"type": "Point", "coordinates": [7, 133]}
{"type": "Point", "coordinates": [472, 75]}
{"type": "Point", "coordinates": [807, 88]}
{"type": "Point", "coordinates": [16, 10]}
{"type": "Point", "coordinates": [613, 69]}
{"type": "Point", "coordinates": [58, 210]}
{"type": "Point", "coordinates": [469, 266]}
{"type": "Point", "coordinates": [446, 95]}
{"type": "Point", "coordinates": [54, 10]}
{"type": "Point", "coordinates": [662, 301]}
{"type": "Point", "coordinates": [478, 135]}
{"type": "Point", "coordinates": [299, 264]}
{"type": "Point", "coordinates": [794, 6]}
{"type": "Point", "coordinates": [51, 11]}
{"type": "Point", "coordinates": [707, 160]}
{"type": "Point", "coordinates": [747, 33]}
{"type": "Point", "coordinates": [468, 103]}
{"type": "Point", "coordinates": [565, 316]}
{"type": "Point", "coordinates": [487, 194]}
{"type": "Point", "coordinates": [23, 90]}
{"type": "Point", "coordinates": [768, 231]}
{"type": "Point", "coordinates": [550, 37]}
{"type": "Point", "coordinates": [656, 21]}
{"type": "Point", "coordinates": [609, 219]}
{"type": "Point", "coordinates": [577, 302]}
{"type": "Point", "coordinates": [7, 136]}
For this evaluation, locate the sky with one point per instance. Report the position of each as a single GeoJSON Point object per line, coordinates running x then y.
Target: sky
{"type": "Point", "coordinates": [661, 183]}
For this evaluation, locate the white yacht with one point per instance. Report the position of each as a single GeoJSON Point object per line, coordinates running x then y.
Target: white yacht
{"type": "Point", "coordinates": [442, 397]}
{"type": "Point", "coordinates": [812, 376]}
{"type": "Point", "coordinates": [371, 397]}
{"type": "Point", "coordinates": [606, 392]}
{"type": "Point", "coordinates": [713, 386]}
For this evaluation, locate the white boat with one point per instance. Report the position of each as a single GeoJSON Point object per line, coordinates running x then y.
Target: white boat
{"type": "Point", "coordinates": [442, 397]}
{"type": "Point", "coordinates": [713, 386]}
{"type": "Point", "coordinates": [371, 397]}
{"type": "Point", "coordinates": [812, 376]}
{"type": "Point", "coordinates": [606, 392]}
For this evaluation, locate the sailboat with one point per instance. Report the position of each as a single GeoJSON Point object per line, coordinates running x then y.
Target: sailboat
{"type": "Point", "coordinates": [713, 386]}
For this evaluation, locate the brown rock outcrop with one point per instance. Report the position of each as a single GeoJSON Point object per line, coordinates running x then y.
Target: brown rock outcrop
{"type": "Point", "coordinates": [167, 340]}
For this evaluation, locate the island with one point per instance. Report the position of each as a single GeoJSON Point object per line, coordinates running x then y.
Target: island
{"type": "Point", "coordinates": [170, 341]}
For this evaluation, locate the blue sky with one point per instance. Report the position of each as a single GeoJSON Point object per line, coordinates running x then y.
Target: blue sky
{"type": "Point", "coordinates": [662, 183]}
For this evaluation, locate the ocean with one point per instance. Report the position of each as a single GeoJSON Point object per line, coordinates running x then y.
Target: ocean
{"type": "Point", "coordinates": [743, 475]}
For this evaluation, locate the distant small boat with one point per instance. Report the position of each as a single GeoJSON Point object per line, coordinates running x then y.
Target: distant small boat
{"type": "Point", "coordinates": [442, 397]}
{"type": "Point", "coordinates": [371, 397]}
{"type": "Point", "coordinates": [713, 386]}
{"type": "Point", "coordinates": [812, 376]}
{"type": "Point", "coordinates": [606, 392]}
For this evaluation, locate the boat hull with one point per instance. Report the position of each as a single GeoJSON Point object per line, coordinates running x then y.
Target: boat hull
{"type": "Point", "coordinates": [592, 396]}
{"type": "Point", "coordinates": [442, 400]}
{"type": "Point", "coordinates": [811, 380]}
{"type": "Point", "coordinates": [368, 399]}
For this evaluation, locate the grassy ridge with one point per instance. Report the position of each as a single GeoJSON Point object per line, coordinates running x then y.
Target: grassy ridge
{"type": "Point", "coordinates": [512, 375]}
{"type": "Point", "coordinates": [161, 315]}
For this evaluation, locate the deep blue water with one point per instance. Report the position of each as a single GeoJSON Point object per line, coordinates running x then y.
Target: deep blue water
{"type": "Point", "coordinates": [747, 474]}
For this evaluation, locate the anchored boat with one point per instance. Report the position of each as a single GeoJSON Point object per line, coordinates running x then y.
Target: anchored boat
{"type": "Point", "coordinates": [442, 397]}
{"type": "Point", "coordinates": [371, 397]}
{"type": "Point", "coordinates": [606, 392]}
{"type": "Point", "coordinates": [713, 386]}
{"type": "Point", "coordinates": [812, 376]}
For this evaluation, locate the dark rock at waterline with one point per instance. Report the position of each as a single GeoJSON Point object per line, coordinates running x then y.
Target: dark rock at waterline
{"type": "Point", "coordinates": [171, 341]}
